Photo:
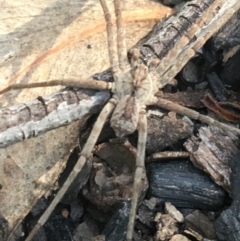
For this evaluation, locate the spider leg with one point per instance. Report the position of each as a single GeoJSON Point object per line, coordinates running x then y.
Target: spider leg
{"type": "Point", "coordinates": [84, 156]}
{"type": "Point", "coordinates": [142, 138]}
{"type": "Point", "coordinates": [112, 51]}
{"type": "Point", "coordinates": [121, 40]}
{"type": "Point", "coordinates": [88, 83]}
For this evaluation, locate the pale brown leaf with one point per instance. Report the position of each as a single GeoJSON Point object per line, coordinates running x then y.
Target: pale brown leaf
{"type": "Point", "coordinates": [61, 39]}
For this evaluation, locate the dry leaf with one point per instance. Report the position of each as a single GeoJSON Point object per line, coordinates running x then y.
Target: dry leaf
{"type": "Point", "coordinates": [213, 105]}
{"type": "Point", "coordinates": [63, 39]}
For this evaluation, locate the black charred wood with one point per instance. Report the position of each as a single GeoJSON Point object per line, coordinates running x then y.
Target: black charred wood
{"type": "Point", "coordinates": [59, 228]}
{"type": "Point", "coordinates": [230, 74]}
{"type": "Point", "coordinates": [228, 224]}
{"type": "Point", "coordinates": [173, 2]}
{"type": "Point", "coordinates": [3, 228]}
{"type": "Point", "coordinates": [117, 225]}
{"type": "Point", "coordinates": [229, 35]}
{"type": "Point", "coordinates": [182, 184]}
{"type": "Point", "coordinates": [193, 72]}
{"type": "Point", "coordinates": [217, 87]}
{"type": "Point", "coordinates": [234, 163]}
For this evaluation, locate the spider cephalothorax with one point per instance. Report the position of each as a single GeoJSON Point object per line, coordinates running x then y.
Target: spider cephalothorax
{"type": "Point", "coordinates": [134, 89]}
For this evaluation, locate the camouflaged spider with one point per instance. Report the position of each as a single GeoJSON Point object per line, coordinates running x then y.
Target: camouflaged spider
{"type": "Point", "coordinates": [133, 90]}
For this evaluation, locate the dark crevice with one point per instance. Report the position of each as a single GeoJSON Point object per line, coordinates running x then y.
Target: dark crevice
{"type": "Point", "coordinates": [29, 110]}
{"type": "Point", "coordinates": [40, 98]}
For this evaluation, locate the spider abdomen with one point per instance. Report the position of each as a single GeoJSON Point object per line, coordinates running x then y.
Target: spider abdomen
{"type": "Point", "coordinates": [124, 120]}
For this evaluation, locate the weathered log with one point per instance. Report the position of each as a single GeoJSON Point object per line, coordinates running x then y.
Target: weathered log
{"type": "Point", "coordinates": [211, 152]}
{"type": "Point", "coordinates": [46, 113]}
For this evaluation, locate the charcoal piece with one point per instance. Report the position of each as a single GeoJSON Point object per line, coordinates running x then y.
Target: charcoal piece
{"type": "Point", "coordinates": [229, 35]}
{"type": "Point", "coordinates": [40, 235]}
{"type": "Point", "coordinates": [76, 210]}
{"type": "Point", "coordinates": [191, 73]}
{"type": "Point", "coordinates": [217, 87]}
{"type": "Point", "coordinates": [59, 228]}
{"type": "Point", "coordinates": [147, 212]}
{"type": "Point", "coordinates": [182, 184]}
{"type": "Point", "coordinates": [228, 224]}
{"type": "Point", "coordinates": [234, 163]}
{"type": "Point", "coordinates": [166, 132]}
{"type": "Point", "coordinates": [186, 211]}
{"type": "Point", "coordinates": [111, 179]}
{"type": "Point", "coordinates": [230, 74]}
{"type": "Point", "coordinates": [117, 225]}
{"type": "Point", "coordinates": [172, 2]}
{"type": "Point", "coordinates": [83, 232]}
{"type": "Point", "coordinates": [3, 228]}
{"type": "Point", "coordinates": [39, 207]}
{"type": "Point", "coordinates": [210, 55]}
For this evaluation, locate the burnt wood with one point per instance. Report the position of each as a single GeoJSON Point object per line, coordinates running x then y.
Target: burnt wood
{"type": "Point", "coordinates": [185, 186]}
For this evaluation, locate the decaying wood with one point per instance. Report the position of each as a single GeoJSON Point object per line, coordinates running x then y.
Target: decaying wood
{"type": "Point", "coordinates": [211, 152]}
{"type": "Point", "coordinates": [189, 98]}
{"type": "Point", "coordinates": [185, 34]}
{"type": "Point", "coordinates": [168, 222]}
{"type": "Point", "coordinates": [200, 224]}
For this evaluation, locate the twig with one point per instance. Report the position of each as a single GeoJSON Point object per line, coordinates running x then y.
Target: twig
{"type": "Point", "coordinates": [169, 105]}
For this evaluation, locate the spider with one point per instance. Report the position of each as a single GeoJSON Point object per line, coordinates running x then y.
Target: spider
{"type": "Point", "coordinates": [133, 89]}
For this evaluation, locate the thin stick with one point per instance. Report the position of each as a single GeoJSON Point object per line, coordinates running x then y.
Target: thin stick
{"type": "Point", "coordinates": [140, 166]}
{"type": "Point", "coordinates": [169, 105]}
{"type": "Point", "coordinates": [87, 84]}
{"type": "Point", "coordinates": [164, 155]}
{"type": "Point", "coordinates": [84, 156]}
